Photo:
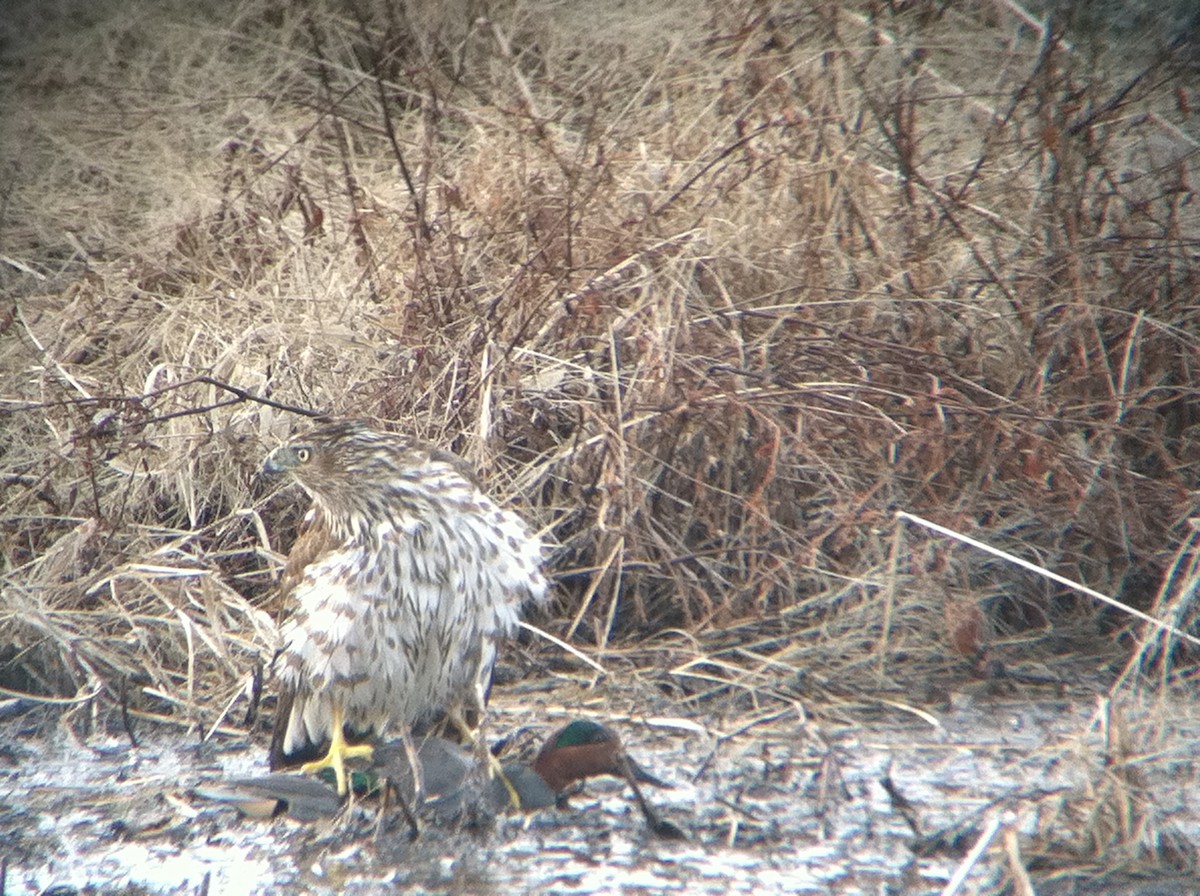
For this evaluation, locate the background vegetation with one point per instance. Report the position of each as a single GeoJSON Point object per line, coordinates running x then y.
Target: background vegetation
{"type": "Point", "coordinates": [711, 292]}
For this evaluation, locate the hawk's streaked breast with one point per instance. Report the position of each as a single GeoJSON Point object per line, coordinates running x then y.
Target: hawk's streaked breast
{"type": "Point", "coordinates": [408, 577]}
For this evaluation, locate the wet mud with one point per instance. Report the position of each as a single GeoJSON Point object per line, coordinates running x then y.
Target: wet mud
{"type": "Point", "coordinates": [892, 805]}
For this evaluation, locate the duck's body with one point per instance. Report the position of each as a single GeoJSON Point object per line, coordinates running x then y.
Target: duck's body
{"type": "Point", "coordinates": [453, 782]}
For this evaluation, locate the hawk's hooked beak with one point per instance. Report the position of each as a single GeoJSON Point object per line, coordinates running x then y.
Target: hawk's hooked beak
{"type": "Point", "coordinates": [281, 460]}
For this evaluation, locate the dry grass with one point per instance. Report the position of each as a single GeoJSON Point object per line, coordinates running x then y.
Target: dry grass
{"type": "Point", "coordinates": [711, 295]}
{"type": "Point", "coordinates": [1119, 822]}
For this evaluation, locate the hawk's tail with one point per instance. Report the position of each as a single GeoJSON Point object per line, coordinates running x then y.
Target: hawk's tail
{"type": "Point", "coordinates": [288, 755]}
{"type": "Point", "coordinates": [279, 757]}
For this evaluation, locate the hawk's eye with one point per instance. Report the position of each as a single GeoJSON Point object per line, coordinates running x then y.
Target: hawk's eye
{"type": "Point", "coordinates": [304, 455]}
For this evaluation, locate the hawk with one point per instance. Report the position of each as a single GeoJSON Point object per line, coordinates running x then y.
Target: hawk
{"type": "Point", "coordinates": [405, 579]}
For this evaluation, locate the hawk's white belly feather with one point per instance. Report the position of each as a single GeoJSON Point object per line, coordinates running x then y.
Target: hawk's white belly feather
{"type": "Point", "coordinates": [405, 620]}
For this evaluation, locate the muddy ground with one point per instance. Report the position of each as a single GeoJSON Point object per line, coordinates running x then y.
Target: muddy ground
{"type": "Point", "coordinates": [785, 805]}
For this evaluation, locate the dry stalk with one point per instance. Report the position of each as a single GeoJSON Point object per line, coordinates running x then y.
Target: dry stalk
{"type": "Point", "coordinates": [709, 301]}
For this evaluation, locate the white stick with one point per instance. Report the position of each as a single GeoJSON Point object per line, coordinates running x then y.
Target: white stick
{"type": "Point", "coordinates": [1041, 571]}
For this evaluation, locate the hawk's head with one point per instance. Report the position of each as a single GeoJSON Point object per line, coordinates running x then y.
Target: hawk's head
{"type": "Point", "coordinates": [349, 468]}
{"type": "Point", "coordinates": [337, 455]}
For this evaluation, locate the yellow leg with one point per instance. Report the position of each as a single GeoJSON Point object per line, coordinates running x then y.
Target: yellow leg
{"type": "Point", "coordinates": [495, 769]}
{"type": "Point", "coordinates": [339, 752]}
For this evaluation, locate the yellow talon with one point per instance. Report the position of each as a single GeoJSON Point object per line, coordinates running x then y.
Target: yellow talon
{"type": "Point", "coordinates": [495, 769]}
{"type": "Point", "coordinates": [339, 751]}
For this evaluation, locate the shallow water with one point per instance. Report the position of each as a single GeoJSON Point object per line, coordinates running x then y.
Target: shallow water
{"type": "Point", "coordinates": [783, 807]}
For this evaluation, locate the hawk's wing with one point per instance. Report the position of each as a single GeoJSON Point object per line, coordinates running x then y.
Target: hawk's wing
{"type": "Point", "coordinates": [313, 541]}
{"type": "Point", "coordinates": [330, 649]}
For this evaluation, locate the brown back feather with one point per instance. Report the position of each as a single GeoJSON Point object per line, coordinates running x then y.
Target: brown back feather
{"type": "Point", "coordinates": [313, 541]}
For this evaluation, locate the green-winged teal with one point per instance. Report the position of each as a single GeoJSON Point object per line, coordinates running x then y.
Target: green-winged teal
{"type": "Point", "coordinates": [452, 782]}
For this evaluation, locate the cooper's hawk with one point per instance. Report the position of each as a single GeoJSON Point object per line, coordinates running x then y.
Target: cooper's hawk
{"type": "Point", "coordinates": [404, 580]}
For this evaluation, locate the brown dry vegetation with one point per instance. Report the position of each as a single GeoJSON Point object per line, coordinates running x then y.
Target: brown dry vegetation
{"type": "Point", "coordinates": [711, 294]}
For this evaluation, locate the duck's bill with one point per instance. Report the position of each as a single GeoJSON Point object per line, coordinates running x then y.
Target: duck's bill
{"type": "Point", "coordinates": [644, 777]}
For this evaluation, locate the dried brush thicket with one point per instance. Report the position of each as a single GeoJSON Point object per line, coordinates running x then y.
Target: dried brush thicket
{"type": "Point", "coordinates": [709, 292]}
